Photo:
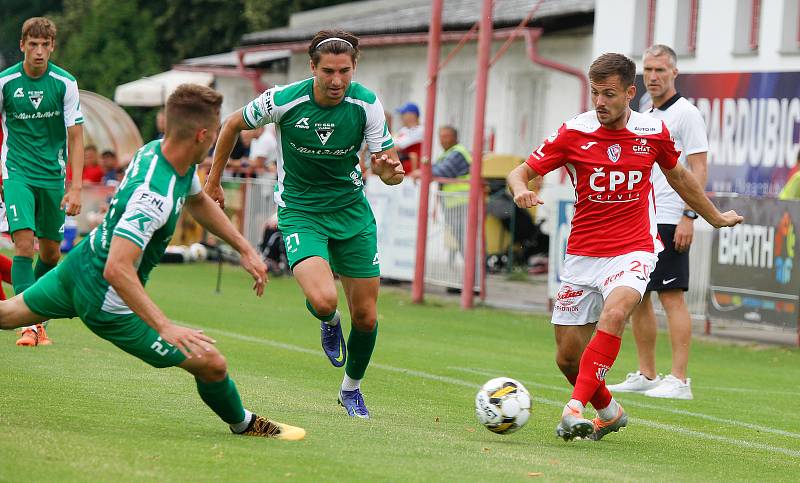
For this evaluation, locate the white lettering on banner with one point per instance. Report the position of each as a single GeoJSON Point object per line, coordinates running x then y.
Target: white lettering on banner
{"type": "Point", "coordinates": [760, 131]}
{"type": "Point", "coordinates": [747, 246]}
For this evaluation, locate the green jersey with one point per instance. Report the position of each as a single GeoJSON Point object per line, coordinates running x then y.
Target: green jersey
{"type": "Point", "coordinates": [144, 210]}
{"type": "Point", "coordinates": [318, 146]}
{"type": "Point", "coordinates": [35, 116]}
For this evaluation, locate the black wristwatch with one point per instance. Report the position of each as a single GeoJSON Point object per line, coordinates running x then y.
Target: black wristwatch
{"type": "Point", "coordinates": [691, 214]}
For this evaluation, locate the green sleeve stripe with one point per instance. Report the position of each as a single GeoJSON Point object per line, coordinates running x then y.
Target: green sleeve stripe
{"type": "Point", "coordinates": [123, 233]}
{"type": "Point", "coordinates": [247, 121]}
{"type": "Point", "coordinates": [387, 145]}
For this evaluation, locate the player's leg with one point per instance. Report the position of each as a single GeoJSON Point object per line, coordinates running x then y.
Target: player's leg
{"type": "Point", "coordinates": [307, 255]}
{"type": "Point", "coordinates": [20, 210]}
{"type": "Point", "coordinates": [676, 385]}
{"type": "Point", "coordinates": [45, 299]}
{"type": "Point", "coordinates": [15, 313]}
{"type": "Point", "coordinates": [356, 261]}
{"type": "Point", "coordinates": [645, 326]}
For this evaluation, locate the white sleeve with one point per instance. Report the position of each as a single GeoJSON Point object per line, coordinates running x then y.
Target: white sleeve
{"type": "Point", "coordinates": [145, 213]}
{"type": "Point", "coordinates": [693, 133]}
{"type": "Point", "coordinates": [261, 110]}
{"type": "Point", "coordinates": [376, 133]}
{"type": "Point", "coordinates": [72, 105]}
{"type": "Point", "coordinates": [196, 187]}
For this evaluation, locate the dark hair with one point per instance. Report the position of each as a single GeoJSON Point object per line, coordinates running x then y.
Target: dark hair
{"type": "Point", "coordinates": [190, 107]}
{"type": "Point", "coordinates": [39, 28]}
{"type": "Point", "coordinates": [90, 147]}
{"type": "Point", "coordinates": [451, 129]}
{"type": "Point", "coordinates": [108, 152]}
{"type": "Point", "coordinates": [347, 45]}
{"type": "Point", "coordinates": [608, 65]}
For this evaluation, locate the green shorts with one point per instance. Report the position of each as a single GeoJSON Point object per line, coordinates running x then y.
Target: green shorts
{"type": "Point", "coordinates": [32, 208]}
{"type": "Point", "coordinates": [347, 239]}
{"type": "Point", "coordinates": [58, 295]}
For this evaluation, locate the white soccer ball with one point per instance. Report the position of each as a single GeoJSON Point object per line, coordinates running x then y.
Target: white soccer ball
{"type": "Point", "coordinates": [199, 252]}
{"type": "Point", "coordinates": [503, 405]}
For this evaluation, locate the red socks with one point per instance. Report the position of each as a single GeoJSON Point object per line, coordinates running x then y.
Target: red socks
{"type": "Point", "coordinates": [602, 397]}
{"type": "Point", "coordinates": [5, 273]}
{"type": "Point", "coordinates": [597, 359]}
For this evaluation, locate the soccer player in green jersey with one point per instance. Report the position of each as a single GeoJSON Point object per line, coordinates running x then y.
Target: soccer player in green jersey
{"type": "Point", "coordinates": [43, 129]}
{"type": "Point", "coordinates": [102, 279]}
{"type": "Point", "coordinates": [326, 221]}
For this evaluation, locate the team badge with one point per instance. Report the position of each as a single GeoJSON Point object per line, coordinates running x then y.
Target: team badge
{"type": "Point", "coordinates": [36, 98]}
{"type": "Point", "coordinates": [614, 152]}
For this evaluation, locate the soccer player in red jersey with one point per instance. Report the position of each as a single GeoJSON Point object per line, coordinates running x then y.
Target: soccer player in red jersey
{"type": "Point", "coordinates": [609, 154]}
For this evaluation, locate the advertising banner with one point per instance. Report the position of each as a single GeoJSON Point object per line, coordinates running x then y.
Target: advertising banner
{"type": "Point", "coordinates": [754, 275]}
{"type": "Point", "coordinates": [752, 124]}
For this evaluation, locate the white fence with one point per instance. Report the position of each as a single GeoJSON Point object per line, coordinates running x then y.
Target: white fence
{"type": "Point", "coordinates": [250, 203]}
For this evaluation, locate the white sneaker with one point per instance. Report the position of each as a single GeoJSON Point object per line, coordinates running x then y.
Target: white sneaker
{"type": "Point", "coordinates": [636, 382]}
{"type": "Point", "coordinates": [671, 387]}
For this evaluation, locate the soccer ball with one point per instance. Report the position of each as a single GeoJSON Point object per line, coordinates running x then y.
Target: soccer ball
{"type": "Point", "coordinates": [503, 405]}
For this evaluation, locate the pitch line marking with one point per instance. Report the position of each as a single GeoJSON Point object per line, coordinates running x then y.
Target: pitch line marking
{"type": "Point", "coordinates": [550, 402]}
{"type": "Point", "coordinates": [629, 402]}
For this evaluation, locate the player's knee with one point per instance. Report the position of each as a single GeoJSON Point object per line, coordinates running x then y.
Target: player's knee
{"type": "Point", "coordinates": [215, 367]}
{"type": "Point", "coordinates": [568, 362]}
{"type": "Point", "coordinates": [614, 317]}
{"type": "Point", "coordinates": [365, 320]}
{"type": "Point", "coordinates": [23, 247]}
{"type": "Point", "coordinates": [324, 304]}
{"type": "Point", "coordinates": [49, 257]}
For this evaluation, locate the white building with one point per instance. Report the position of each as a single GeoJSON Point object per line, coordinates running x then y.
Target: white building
{"type": "Point", "coordinates": [740, 64]}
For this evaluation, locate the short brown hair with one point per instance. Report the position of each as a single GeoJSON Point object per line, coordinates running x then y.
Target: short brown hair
{"type": "Point", "coordinates": [191, 107]}
{"type": "Point", "coordinates": [608, 65]}
{"type": "Point", "coordinates": [39, 28]}
{"type": "Point", "coordinates": [348, 44]}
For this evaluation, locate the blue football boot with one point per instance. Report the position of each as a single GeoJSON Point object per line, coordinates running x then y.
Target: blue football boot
{"type": "Point", "coordinates": [333, 342]}
{"type": "Point", "coordinates": [353, 403]}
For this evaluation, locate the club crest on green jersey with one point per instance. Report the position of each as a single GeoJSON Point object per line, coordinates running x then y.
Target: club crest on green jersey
{"type": "Point", "coordinates": [36, 98]}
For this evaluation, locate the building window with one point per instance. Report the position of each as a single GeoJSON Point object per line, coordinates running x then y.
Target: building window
{"type": "Point", "coordinates": [643, 32]}
{"type": "Point", "coordinates": [747, 31]}
{"type": "Point", "coordinates": [686, 27]}
{"type": "Point", "coordinates": [790, 38]}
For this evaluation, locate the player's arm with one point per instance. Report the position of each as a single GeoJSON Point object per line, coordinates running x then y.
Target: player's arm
{"type": "Point", "coordinates": [120, 273]}
{"type": "Point", "coordinates": [231, 127]}
{"type": "Point", "coordinates": [686, 185]}
{"type": "Point", "coordinates": [71, 202]}
{"type": "Point", "coordinates": [212, 218]}
{"type": "Point", "coordinates": [386, 165]}
{"type": "Point", "coordinates": [684, 231]}
{"type": "Point", "coordinates": [518, 183]}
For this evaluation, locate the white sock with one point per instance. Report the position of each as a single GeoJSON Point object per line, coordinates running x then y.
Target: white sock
{"type": "Point", "coordinates": [575, 404]}
{"type": "Point", "coordinates": [32, 327]}
{"type": "Point", "coordinates": [349, 384]}
{"type": "Point", "coordinates": [609, 412]}
{"type": "Point", "coordinates": [335, 320]}
{"type": "Point", "coordinates": [240, 427]}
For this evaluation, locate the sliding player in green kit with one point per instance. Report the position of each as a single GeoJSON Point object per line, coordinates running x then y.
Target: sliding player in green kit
{"type": "Point", "coordinates": [102, 279]}
{"type": "Point", "coordinates": [326, 221]}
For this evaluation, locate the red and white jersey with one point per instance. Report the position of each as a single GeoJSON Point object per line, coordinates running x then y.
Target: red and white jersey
{"type": "Point", "coordinates": [610, 169]}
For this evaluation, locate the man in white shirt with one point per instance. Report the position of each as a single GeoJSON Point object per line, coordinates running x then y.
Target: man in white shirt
{"type": "Point", "coordinates": [675, 221]}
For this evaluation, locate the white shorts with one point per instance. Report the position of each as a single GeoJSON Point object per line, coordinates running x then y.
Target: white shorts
{"type": "Point", "coordinates": [3, 219]}
{"type": "Point", "coordinates": [587, 281]}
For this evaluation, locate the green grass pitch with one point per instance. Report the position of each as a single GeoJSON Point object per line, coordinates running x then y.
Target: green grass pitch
{"type": "Point", "coordinates": [81, 410]}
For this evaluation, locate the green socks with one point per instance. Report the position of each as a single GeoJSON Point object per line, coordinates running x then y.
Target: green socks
{"type": "Point", "coordinates": [22, 275]}
{"type": "Point", "coordinates": [223, 398]}
{"type": "Point", "coordinates": [41, 268]}
{"type": "Point", "coordinates": [324, 318]}
{"type": "Point", "coordinates": [359, 351]}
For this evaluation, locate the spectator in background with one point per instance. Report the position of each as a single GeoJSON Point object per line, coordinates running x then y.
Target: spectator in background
{"type": "Point", "coordinates": [161, 123]}
{"type": "Point", "coordinates": [92, 172]}
{"type": "Point", "coordinates": [111, 171]}
{"type": "Point", "coordinates": [408, 138]}
{"type": "Point", "coordinates": [264, 153]}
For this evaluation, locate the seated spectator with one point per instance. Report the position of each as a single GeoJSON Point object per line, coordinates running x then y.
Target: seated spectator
{"type": "Point", "coordinates": [408, 139]}
{"type": "Point", "coordinates": [264, 153]}
{"type": "Point", "coordinates": [111, 171]}
{"type": "Point", "coordinates": [92, 171]}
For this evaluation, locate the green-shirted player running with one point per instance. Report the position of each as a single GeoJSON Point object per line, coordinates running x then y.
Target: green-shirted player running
{"type": "Point", "coordinates": [326, 221]}
{"type": "Point", "coordinates": [42, 130]}
{"type": "Point", "coordinates": [102, 279]}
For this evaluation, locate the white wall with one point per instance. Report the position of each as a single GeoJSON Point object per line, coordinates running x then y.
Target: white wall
{"type": "Point", "coordinates": [616, 21]}
{"type": "Point", "coordinates": [525, 102]}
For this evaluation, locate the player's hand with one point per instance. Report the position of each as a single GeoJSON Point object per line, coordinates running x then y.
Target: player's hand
{"type": "Point", "coordinates": [684, 233]}
{"type": "Point", "coordinates": [255, 266]}
{"type": "Point", "coordinates": [71, 203]}
{"type": "Point", "coordinates": [729, 218]}
{"type": "Point", "coordinates": [191, 342]}
{"type": "Point", "coordinates": [388, 169]}
{"type": "Point", "coordinates": [527, 199]}
{"type": "Point", "coordinates": [215, 191]}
